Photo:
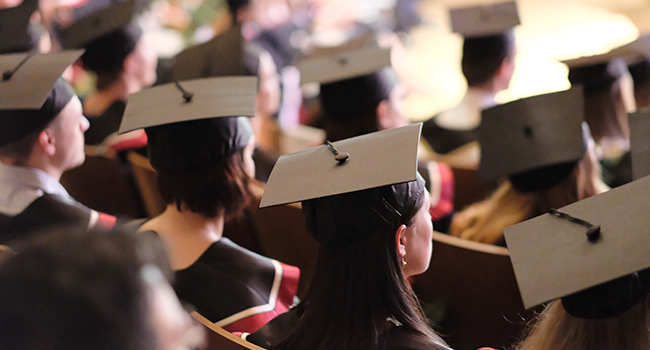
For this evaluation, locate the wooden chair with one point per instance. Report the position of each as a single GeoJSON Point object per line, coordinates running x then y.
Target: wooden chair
{"type": "Point", "coordinates": [283, 236]}
{"type": "Point", "coordinates": [467, 189]}
{"type": "Point", "coordinates": [220, 339]}
{"type": "Point", "coordinates": [145, 177]}
{"type": "Point", "coordinates": [476, 287]}
{"type": "Point", "coordinates": [106, 185]}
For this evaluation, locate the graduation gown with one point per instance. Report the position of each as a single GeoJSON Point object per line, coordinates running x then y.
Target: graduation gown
{"type": "Point", "coordinates": [235, 288]}
{"type": "Point", "coordinates": [32, 201]}
{"type": "Point", "coordinates": [106, 124]}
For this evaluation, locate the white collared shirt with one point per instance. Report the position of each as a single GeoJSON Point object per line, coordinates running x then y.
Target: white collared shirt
{"type": "Point", "coordinates": [20, 186]}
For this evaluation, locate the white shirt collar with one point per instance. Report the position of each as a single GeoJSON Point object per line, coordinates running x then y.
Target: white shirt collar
{"type": "Point", "coordinates": [20, 186]}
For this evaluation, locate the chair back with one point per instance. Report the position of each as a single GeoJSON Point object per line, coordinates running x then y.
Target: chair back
{"type": "Point", "coordinates": [220, 339]}
{"type": "Point", "coordinates": [146, 180]}
{"type": "Point", "coordinates": [106, 185]}
{"type": "Point", "coordinates": [283, 236]}
{"type": "Point", "coordinates": [473, 286]}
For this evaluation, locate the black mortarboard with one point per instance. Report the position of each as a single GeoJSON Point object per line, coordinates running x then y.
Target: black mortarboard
{"type": "Point", "coordinates": [486, 20]}
{"type": "Point", "coordinates": [358, 181]}
{"type": "Point", "coordinates": [32, 92]}
{"type": "Point", "coordinates": [224, 55]}
{"type": "Point", "coordinates": [592, 254]}
{"type": "Point", "coordinates": [108, 35]}
{"type": "Point", "coordinates": [596, 72]}
{"type": "Point", "coordinates": [531, 133]}
{"type": "Point", "coordinates": [15, 29]}
{"type": "Point", "coordinates": [194, 124]}
{"type": "Point", "coordinates": [98, 24]}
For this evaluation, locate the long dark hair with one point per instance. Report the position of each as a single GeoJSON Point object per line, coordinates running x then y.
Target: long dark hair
{"type": "Point", "coordinates": [358, 283]}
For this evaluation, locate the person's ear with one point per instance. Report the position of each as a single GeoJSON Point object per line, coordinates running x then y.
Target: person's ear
{"type": "Point", "coordinates": [400, 241]}
{"type": "Point", "coordinates": [46, 142]}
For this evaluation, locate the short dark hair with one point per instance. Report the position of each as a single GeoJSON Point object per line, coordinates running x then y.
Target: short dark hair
{"type": "Point", "coordinates": [105, 56]}
{"type": "Point", "coordinates": [224, 186]}
{"type": "Point", "coordinates": [20, 150]}
{"type": "Point", "coordinates": [482, 56]}
{"type": "Point", "coordinates": [75, 290]}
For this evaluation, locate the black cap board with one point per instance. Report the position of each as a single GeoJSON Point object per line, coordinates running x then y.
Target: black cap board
{"type": "Point", "coordinates": [98, 24]}
{"type": "Point", "coordinates": [531, 133]}
{"type": "Point", "coordinates": [486, 20]}
{"type": "Point", "coordinates": [574, 253]}
{"type": "Point", "coordinates": [15, 34]}
{"type": "Point", "coordinates": [221, 56]}
{"type": "Point", "coordinates": [382, 158]}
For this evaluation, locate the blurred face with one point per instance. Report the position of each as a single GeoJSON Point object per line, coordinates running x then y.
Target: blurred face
{"type": "Point", "coordinates": [67, 130]}
{"type": "Point", "coordinates": [419, 245]}
{"type": "Point", "coordinates": [143, 62]}
{"type": "Point", "coordinates": [268, 95]}
{"type": "Point", "coordinates": [247, 155]}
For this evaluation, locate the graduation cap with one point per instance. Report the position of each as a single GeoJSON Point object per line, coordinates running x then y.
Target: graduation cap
{"type": "Point", "coordinates": [192, 125]}
{"type": "Point", "coordinates": [224, 55]}
{"type": "Point", "coordinates": [353, 187]}
{"type": "Point", "coordinates": [15, 28]}
{"type": "Point", "coordinates": [343, 65]}
{"type": "Point", "coordinates": [596, 72]}
{"type": "Point", "coordinates": [486, 20]}
{"type": "Point", "coordinates": [592, 254]}
{"type": "Point", "coordinates": [639, 143]}
{"type": "Point", "coordinates": [32, 92]}
{"type": "Point", "coordinates": [98, 24]}
{"type": "Point", "coordinates": [368, 161]}
{"type": "Point", "coordinates": [531, 133]}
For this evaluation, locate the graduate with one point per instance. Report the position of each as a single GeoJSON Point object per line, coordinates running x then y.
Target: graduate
{"type": "Point", "coordinates": [588, 261]}
{"type": "Point", "coordinates": [488, 63]}
{"type": "Point", "coordinates": [90, 291]}
{"type": "Point", "coordinates": [367, 206]}
{"type": "Point", "coordinates": [41, 136]}
{"type": "Point", "coordinates": [361, 94]}
{"type": "Point", "coordinates": [123, 63]}
{"type": "Point", "coordinates": [539, 144]}
{"type": "Point", "coordinates": [201, 144]}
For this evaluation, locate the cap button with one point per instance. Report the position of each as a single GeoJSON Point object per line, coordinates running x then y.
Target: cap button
{"type": "Point", "coordinates": [343, 61]}
{"type": "Point", "coordinates": [528, 131]}
{"type": "Point", "coordinates": [342, 157]}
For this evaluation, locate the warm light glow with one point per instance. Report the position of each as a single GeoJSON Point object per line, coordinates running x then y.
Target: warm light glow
{"type": "Point", "coordinates": [551, 30]}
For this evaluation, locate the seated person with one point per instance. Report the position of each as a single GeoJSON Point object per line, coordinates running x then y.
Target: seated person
{"type": "Point", "coordinates": [374, 233]}
{"type": "Point", "coordinates": [205, 175]}
{"type": "Point", "coordinates": [597, 283]}
{"type": "Point", "coordinates": [41, 136]}
{"type": "Point", "coordinates": [488, 63]}
{"type": "Point", "coordinates": [368, 99]}
{"type": "Point", "coordinates": [608, 99]}
{"type": "Point", "coordinates": [20, 35]}
{"type": "Point", "coordinates": [539, 144]}
{"type": "Point", "coordinates": [78, 290]}
{"type": "Point", "coordinates": [123, 63]}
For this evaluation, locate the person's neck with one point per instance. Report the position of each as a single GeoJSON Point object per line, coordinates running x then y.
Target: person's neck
{"type": "Point", "coordinates": [484, 94]}
{"type": "Point", "coordinates": [467, 115]}
{"type": "Point", "coordinates": [100, 101]}
{"type": "Point", "coordinates": [186, 234]}
{"type": "Point", "coordinates": [42, 164]}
